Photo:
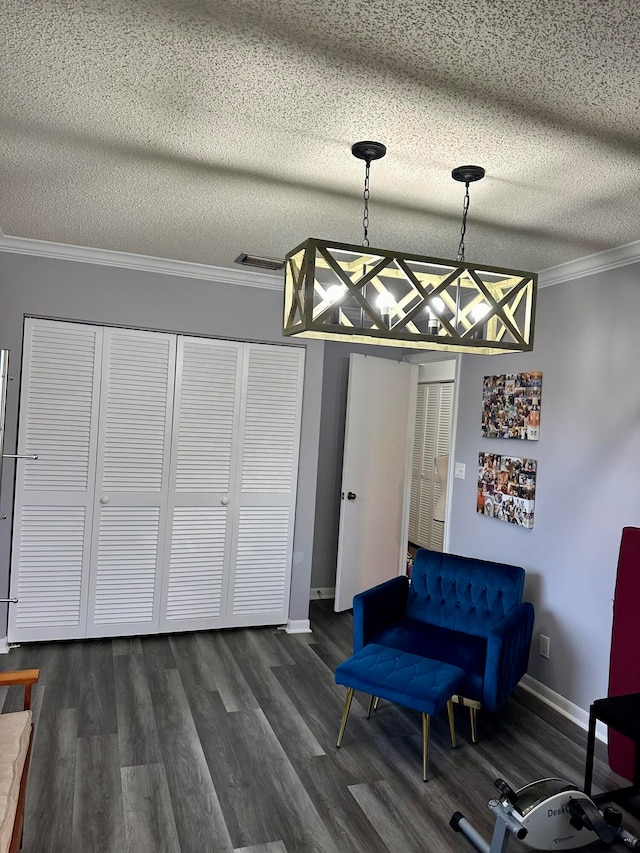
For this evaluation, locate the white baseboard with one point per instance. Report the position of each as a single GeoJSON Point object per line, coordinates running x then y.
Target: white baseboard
{"type": "Point", "coordinates": [4, 646]}
{"type": "Point", "coordinates": [298, 626]}
{"type": "Point", "coordinates": [318, 592]}
{"type": "Point", "coordinates": [562, 706]}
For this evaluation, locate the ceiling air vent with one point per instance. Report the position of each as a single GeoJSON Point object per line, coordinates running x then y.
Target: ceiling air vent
{"type": "Point", "coordinates": [261, 263]}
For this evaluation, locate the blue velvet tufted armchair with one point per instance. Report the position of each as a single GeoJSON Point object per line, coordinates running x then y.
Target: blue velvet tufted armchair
{"type": "Point", "coordinates": [458, 610]}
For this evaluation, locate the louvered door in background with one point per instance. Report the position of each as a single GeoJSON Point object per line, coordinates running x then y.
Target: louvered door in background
{"type": "Point", "coordinates": [432, 438]}
{"type": "Point", "coordinates": [267, 472]}
{"type": "Point", "coordinates": [204, 450]}
{"type": "Point", "coordinates": [416, 465]}
{"type": "Point", "coordinates": [54, 494]}
{"type": "Point", "coordinates": [132, 482]}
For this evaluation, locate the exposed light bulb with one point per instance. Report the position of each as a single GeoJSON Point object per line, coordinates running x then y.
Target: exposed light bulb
{"type": "Point", "coordinates": [385, 301]}
{"type": "Point", "coordinates": [434, 323]}
{"type": "Point", "coordinates": [479, 311]}
{"type": "Point", "coordinates": [334, 292]}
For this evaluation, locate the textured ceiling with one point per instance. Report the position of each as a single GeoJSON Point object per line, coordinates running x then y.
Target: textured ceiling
{"type": "Point", "coordinates": [198, 130]}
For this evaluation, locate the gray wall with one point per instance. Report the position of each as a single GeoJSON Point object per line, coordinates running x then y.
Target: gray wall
{"type": "Point", "coordinates": [334, 408]}
{"type": "Point", "coordinates": [588, 347]}
{"type": "Point", "coordinates": [110, 295]}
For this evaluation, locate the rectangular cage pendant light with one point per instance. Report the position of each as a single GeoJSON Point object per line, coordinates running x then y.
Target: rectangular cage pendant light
{"type": "Point", "coordinates": [338, 291]}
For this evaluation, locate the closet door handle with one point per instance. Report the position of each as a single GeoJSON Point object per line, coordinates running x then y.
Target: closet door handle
{"type": "Point", "coordinates": [224, 501]}
{"type": "Point", "coordinates": [105, 499]}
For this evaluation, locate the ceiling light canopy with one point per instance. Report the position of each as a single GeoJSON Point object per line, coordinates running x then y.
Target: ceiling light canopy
{"type": "Point", "coordinates": [340, 291]}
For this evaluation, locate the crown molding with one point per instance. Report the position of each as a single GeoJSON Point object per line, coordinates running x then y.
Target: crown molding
{"type": "Point", "coordinates": [145, 263]}
{"type": "Point", "coordinates": [620, 256]}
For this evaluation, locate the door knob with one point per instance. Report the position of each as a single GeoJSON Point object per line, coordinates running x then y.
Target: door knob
{"type": "Point", "coordinates": [104, 499]}
{"type": "Point", "coordinates": [224, 501]}
{"type": "Point", "coordinates": [351, 496]}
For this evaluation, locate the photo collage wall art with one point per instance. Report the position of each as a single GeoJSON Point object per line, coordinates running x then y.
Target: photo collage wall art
{"type": "Point", "coordinates": [507, 488]}
{"type": "Point", "coordinates": [511, 406]}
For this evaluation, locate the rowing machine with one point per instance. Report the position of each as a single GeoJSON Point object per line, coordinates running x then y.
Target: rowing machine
{"type": "Point", "coordinates": [549, 814]}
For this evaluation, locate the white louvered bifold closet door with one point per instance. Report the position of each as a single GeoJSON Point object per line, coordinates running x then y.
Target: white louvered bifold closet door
{"type": "Point", "coordinates": [130, 508]}
{"type": "Point", "coordinates": [203, 457]}
{"type": "Point", "coordinates": [54, 494]}
{"type": "Point", "coordinates": [163, 498]}
{"type": "Point", "coordinates": [267, 472]}
{"type": "Point", "coordinates": [432, 438]}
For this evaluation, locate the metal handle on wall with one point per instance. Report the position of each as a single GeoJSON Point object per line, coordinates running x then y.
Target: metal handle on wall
{"type": "Point", "coordinates": [19, 455]}
{"type": "Point", "coordinates": [4, 381]}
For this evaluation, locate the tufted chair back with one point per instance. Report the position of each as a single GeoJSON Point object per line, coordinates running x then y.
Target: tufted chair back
{"type": "Point", "coordinates": [462, 593]}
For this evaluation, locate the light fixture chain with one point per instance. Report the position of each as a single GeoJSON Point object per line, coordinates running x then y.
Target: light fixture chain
{"type": "Point", "coordinates": [463, 229]}
{"type": "Point", "coordinates": [365, 217]}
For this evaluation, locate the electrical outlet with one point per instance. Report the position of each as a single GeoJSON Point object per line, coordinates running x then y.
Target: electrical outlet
{"type": "Point", "coordinates": [545, 643]}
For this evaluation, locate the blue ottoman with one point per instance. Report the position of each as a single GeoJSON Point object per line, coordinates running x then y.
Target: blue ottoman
{"type": "Point", "coordinates": [416, 682]}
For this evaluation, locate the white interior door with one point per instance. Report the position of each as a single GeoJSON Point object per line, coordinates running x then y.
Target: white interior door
{"type": "Point", "coordinates": [266, 484]}
{"type": "Point", "coordinates": [375, 475]}
{"type": "Point", "coordinates": [54, 493]}
{"type": "Point", "coordinates": [201, 495]}
{"type": "Point", "coordinates": [132, 481]}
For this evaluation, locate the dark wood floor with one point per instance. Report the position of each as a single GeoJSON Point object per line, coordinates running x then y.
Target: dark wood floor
{"type": "Point", "coordinates": [225, 741]}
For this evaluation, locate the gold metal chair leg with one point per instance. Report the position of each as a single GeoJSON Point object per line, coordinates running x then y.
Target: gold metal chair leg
{"type": "Point", "coordinates": [376, 703]}
{"type": "Point", "coordinates": [474, 733]}
{"type": "Point", "coordinates": [370, 708]}
{"type": "Point", "coordinates": [426, 724]}
{"type": "Point", "coordinates": [452, 723]}
{"type": "Point", "coordinates": [345, 714]}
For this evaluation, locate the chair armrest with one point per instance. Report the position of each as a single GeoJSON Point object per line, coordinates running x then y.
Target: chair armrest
{"type": "Point", "coordinates": [27, 677]}
{"type": "Point", "coordinates": [378, 607]}
{"type": "Point", "coordinates": [508, 645]}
